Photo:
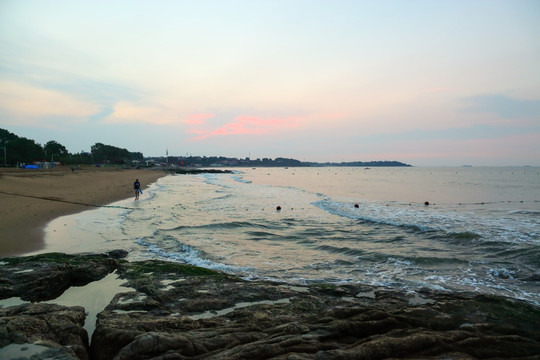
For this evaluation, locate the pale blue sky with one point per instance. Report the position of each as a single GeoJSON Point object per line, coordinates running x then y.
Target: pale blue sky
{"type": "Point", "coordinates": [423, 82]}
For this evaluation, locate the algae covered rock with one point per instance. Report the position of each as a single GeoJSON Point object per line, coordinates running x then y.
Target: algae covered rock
{"type": "Point", "coordinates": [179, 311]}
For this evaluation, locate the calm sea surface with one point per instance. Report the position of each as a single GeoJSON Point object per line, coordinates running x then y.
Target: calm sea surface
{"type": "Point", "coordinates": [481, 231]}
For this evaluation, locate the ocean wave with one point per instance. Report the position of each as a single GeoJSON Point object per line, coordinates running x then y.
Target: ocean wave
{"type": "Point", "coordinates": [464, 238]}
{"type": "Point", "coordinates": [222, 225]}
{"type": "Point", "coordinates": [240, 179]}
{"type": "Point", "coordinates": [519, 226]}
{"type": "Point", "coordinates": [261, 235]}
{"type": "Point", "coordinates": [403, 216]}
{"type": "Point", "coordinates": [374, 214]}
{"type": "Point", "coordinates": [499, 282]}
{"type": "Point", "coordinates": [466, 235]}
{"type": "Point", "coordinates": [423, 262]}
{"type": "Point", "coordinates": [502, 272]}
{"type": "Point", "coordinates": [342, 250]}
{"type": "Point", "coordinates": [524, 212]}
{"type": "Point", "coordinates": [188, 255]}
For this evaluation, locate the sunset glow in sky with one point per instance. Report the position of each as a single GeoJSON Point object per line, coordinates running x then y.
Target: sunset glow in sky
{"type": "Point", "coordinates": [423, 82]}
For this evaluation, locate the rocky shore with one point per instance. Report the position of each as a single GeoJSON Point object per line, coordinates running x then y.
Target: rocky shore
{"type": "Point", "coordinates": [177, 311]}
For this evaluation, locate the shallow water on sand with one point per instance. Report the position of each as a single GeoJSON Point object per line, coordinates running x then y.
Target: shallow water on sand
{"type": "Point", "coordinates": [481, 231]}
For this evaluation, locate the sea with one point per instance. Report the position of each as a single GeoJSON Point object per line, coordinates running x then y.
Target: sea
{"type": "Point", "coordinates": [450, 229]}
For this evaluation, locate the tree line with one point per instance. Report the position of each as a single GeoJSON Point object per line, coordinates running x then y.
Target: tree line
{"type": "Point", "coordinates": [210, 161]}
{"type": "Point", "coordinates": [15, 149]}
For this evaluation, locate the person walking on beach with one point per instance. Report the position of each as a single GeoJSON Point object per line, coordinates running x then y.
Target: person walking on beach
{"type": "Point", "coordinates": [137, 188]}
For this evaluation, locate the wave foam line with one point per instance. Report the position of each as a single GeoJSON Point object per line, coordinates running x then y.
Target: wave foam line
{"type": "Point", "coordinates": [189, 256]}
{"type": "Point", "coordinates": [327, 206]}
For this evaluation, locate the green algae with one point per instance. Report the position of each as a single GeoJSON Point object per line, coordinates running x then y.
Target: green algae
{"type": "Point", "coordinates": [55, 258]}
{"type": "Point", "coordinates": [147, 268]}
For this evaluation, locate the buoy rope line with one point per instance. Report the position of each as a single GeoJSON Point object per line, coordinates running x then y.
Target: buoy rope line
{"type": "Point", "coordinates": [277, 208]}
{"type": "Point", "coordinates": [490, 202]}
{"type": "Point", "coordinates": [67, 201]}
{"type": "Point", "coordinates": [466, 203]}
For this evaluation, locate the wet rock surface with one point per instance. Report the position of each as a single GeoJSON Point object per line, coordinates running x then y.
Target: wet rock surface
{"type": "Point", "coordinates": [47, 276]}
{"type": "Point", "coordinates": [46, 331]}
{"type": "Point", "coordinates": [177, 311]}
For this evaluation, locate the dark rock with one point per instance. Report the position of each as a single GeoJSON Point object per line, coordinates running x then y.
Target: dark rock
{"type": "Point", "coordinates": [178, 311]}
{"type": "Point", "coordinates": [57, 330]}
{"type": "Point", "coordinates": [118, 254]}
{"type": "Point", "coordinates": [47, 276]}
{"type": "Point", "coordinates": [214, 316]}
{"type": "Point", "coordinates": [41, 350]}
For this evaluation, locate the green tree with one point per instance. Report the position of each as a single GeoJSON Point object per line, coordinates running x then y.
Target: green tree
{"type": "Point", "coordinates": [112, 154]}
{"type": "Point", "coordinates": [137, 156]}
{"type": "Point", "coordinates": [80, 158]}
{"type": "Point", "coordinates": [24, 150]}
{"type": "Point", "coordinates": [6, 136]}
{"type": "Point", "coordinates": [59, 151]}
{"type": "Point", "coordinates": [20, 149]}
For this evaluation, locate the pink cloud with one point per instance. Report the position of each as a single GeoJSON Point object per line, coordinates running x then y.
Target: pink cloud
{"type": "Point", "coordinates": [198, 119]}
{"type": "Point", "coordinates": [248, 125]}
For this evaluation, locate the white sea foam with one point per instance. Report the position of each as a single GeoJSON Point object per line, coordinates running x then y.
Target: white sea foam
{"type": "Point", "coordinates": [190, 256]}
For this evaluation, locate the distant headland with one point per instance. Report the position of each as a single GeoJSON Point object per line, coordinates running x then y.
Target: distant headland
{"type": "Point", "coordinates": [220, 161]}
{"type": "Point", "coordinates": [21, 152]}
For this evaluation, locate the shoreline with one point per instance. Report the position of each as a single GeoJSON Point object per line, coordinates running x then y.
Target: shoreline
{"type": "Point", "coordinates": [32, 198]}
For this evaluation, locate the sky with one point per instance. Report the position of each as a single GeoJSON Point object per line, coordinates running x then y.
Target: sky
{"type": "Point", "coordinates": [427, 82]}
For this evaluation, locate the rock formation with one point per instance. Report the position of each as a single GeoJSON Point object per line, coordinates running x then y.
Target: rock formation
{"type": "Point", "coordinates": [178, 311]}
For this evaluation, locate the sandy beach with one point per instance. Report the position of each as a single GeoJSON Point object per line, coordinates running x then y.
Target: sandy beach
{"type": "Point", "coordinates": [31, 198]}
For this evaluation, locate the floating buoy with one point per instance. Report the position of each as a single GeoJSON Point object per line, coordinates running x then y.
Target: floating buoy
{"type": "Point", "coordinates": [278, 208]}
{"type": "Point", "coordinates": [356, 206]}
{"type": "Point", "coordinates": [426, 203]}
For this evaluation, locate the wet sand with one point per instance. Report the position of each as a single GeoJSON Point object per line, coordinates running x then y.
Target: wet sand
{"type": "Point", "coordinates": [29, 199]}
